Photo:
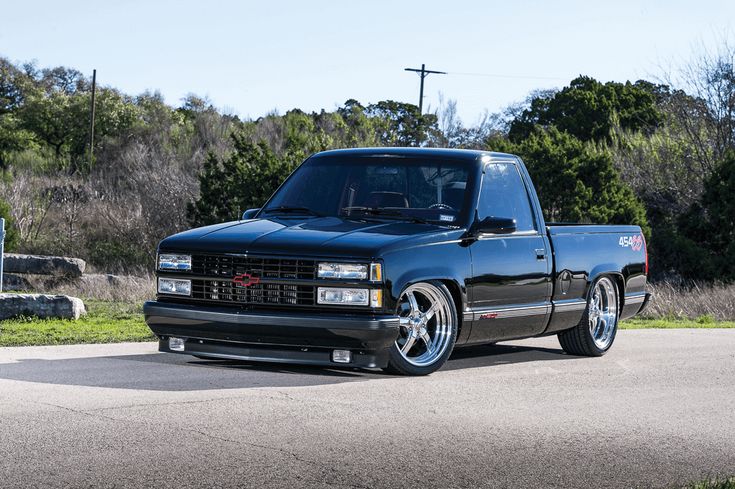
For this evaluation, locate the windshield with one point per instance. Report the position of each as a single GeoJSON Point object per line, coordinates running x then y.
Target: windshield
{"type": "Point", "coordinates": [418, 189]}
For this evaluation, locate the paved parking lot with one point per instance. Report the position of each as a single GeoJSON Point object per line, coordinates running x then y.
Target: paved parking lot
{"type": "Point", "coordinates": [658, 410]}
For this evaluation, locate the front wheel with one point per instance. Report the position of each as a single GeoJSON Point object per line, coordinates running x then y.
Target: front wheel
{"type": "Point", "coordinates": [428, 329]}
{"type": "Point", "coordinates": [594, 335]}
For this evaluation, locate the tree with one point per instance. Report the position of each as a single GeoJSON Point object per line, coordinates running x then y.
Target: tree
{"type": "Point", "coordinates": [355, 127]}
{"type": "Point", "coordinates": [243, 180]}
{"type": "Point", "coordinates": [58, 114]}
{"type": "Point", "coordinates": [707, 244]}
{"type": "Point", "coordinates": [575, 181]}
{"type": "Point", "coordinates": [401, 124]}
{"type": "Point", "coordinates": [588, 109]}
{"type": "Point", "coordinates": [14, 85]}
{"type": "Point", "coordinates": [453, 134]}
{"type": "Point", "coordinates": [705, 104]}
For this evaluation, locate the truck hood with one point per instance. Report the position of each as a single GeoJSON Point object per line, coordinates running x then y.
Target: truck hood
{"type": "Point", "coordinates": [323, 236]}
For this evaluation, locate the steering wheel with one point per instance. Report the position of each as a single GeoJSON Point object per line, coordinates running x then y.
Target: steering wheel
{"type": "Point", "coordinates": [441, 206]}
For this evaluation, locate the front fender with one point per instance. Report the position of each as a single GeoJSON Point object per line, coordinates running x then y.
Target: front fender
{"type": "Point", "coordinates": [448, 262]}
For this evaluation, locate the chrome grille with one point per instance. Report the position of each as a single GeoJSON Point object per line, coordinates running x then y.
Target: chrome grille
{"type": "Point", "coordinates": [231, 265]}
{"type": "Point", "coordinates": [269, 294]}
{"type": "Point", "coordinates": [271, 280]}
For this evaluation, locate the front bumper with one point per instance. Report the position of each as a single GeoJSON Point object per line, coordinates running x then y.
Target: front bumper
{"type": "Point", "coordinates": [284, 337]}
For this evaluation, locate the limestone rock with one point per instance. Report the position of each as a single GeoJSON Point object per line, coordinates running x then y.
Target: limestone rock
{"type": "Point", "coordinates": [44, 265]}
{"type": "Point", "coordinates": [40, 305]}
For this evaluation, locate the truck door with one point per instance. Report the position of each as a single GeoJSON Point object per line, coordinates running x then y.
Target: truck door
{"type": "Point", "coordinates": [510, 291]}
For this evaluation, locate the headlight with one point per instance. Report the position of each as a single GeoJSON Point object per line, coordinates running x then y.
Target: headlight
{"type": "Point", "coordinates": [351, 271]}
{"type": "Point", "coordinates": [343, 271]}
{"type": "Point", "coordinates": [174, 262]}
{"type": "Point", "coordinates": [174, 286]}
{"type": "Point", "coordinates": [347, 297]}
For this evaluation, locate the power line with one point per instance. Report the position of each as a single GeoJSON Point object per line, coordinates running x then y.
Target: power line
{"type": "Point", "coordinates": [497, 75]}
{"type": "Point", "coordinates": [423, 73]}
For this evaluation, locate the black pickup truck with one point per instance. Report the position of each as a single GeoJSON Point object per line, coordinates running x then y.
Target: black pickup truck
{"type": "Point", "coordinates": [391, 258]}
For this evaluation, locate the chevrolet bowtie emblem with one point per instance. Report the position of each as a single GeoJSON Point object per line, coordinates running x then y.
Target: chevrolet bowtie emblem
{"type": "Point", "coordinates": [245, 280]}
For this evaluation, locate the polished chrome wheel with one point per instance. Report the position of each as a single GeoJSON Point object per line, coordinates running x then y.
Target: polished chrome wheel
{"type": "Point", "coordinates": [427, 324]}
{"type": "Point", "coordinates": [603, 313]}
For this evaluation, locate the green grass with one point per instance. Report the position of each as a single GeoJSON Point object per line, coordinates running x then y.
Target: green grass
{"type": "Point", "coordinates": [106, 322]}
{"type": "Point", "coordinates": [111, 322]}
{"type": "Point", "coordinates": [702, 322]}
{"type": "Point", "coordinates": [714, 484]}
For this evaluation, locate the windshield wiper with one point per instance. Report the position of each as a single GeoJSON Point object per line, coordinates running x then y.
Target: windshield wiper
{"type": "Point", "coordinates": [285, 209]}
{"type": "Point", "coordinates": [379, 211]}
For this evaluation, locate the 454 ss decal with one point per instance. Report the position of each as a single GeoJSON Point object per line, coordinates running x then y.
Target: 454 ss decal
{"type": "Point", "coordinates": [634, 242]}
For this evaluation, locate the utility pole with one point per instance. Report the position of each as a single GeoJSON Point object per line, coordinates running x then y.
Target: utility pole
{"type": "Point", "coordinates": [91, 120]}
{"type": "Point", "coordinates": [423, 73]}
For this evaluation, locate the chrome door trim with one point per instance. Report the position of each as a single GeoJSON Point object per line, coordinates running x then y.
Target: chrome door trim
{"type": "Point", "coordinates": [507, 312]}
{"type": "Point", "coordinates": [569, 305]}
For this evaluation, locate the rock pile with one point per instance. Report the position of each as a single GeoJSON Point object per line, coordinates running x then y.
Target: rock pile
{"type": "Point", "coordinates": [25, 272]}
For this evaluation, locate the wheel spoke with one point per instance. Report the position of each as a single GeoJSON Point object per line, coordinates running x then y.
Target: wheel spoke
{"type": "Point", "coordinates": [410, 340]}
{"type": "Point", "coordinates": [432, 311]}
{"type": "Point", "coordinates": [427, 340]}
{"type": "Point", "coordinates": [412, 302]}
{"type": "Point", "coordinates": [595, 326]}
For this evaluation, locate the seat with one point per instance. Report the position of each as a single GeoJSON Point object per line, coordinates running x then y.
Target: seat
{"type": "Point", "coordinates": [453, 195]}
{"type": "Point", "coordinates": [387, 199]}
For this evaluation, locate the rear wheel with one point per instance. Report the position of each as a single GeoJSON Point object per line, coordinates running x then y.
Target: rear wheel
{"type": "Point", "coordinates": [594, 335]}
{"type": "Point", "coordinates": [428, 329]}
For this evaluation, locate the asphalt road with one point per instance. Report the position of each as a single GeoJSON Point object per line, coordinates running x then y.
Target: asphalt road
{"type": "Point", "coordinates": [658, 410]}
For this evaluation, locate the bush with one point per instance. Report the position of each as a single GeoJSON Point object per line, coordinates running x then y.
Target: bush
{"type": "Point", "coordinates": [245, 179]}
{"type": "Point", "coordinates": [11, 234]}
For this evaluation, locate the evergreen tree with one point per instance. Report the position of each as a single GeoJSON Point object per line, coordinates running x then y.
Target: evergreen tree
{"type": "Point", "coordinates": [707, 244]}
{"type": "Point", "coordinates": [588, 109]}
{"type": "Point", "coordinates": [245, 179]}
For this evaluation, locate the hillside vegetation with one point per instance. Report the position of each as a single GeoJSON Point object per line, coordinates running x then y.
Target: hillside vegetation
{"type": "Point", "coordinates": [660, 155]}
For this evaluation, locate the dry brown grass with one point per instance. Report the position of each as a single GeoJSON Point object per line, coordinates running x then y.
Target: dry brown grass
{"type": "Point", "coordinates": [692, 301]}
{"type": "Point", "coordinates": [116, 288]}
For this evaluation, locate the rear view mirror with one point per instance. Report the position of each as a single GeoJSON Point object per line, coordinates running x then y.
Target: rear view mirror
{"type": "Point", "coordinates": [250, 213]}
{"type": "Point", "coordinates": [495, 225]}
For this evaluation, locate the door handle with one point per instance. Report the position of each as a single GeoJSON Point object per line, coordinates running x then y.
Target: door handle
{"type": "Point", "coordinates": [540, 253]}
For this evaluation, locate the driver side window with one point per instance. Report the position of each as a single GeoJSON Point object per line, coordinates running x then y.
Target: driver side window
{"type": "Point", "coordinates": [503, 194]}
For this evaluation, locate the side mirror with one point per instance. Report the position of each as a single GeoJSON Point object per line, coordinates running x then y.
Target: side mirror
{"type": "Point", "coordinates": [494, 225]}
{"type": "Point", "coordinates": [250, 213]}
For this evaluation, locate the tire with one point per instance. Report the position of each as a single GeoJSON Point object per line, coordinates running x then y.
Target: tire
{"type": "Point", "coordinates": [428, 329]}
{"type": "Point", "coordinates": [595, 333]}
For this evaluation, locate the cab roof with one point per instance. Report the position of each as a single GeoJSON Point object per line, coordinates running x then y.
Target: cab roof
{"type": "Point", "coordinates": [457, 154]}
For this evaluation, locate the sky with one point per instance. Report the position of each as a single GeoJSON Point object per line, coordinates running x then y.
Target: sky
{"type": "Point", "coordinates": [251, 58]}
